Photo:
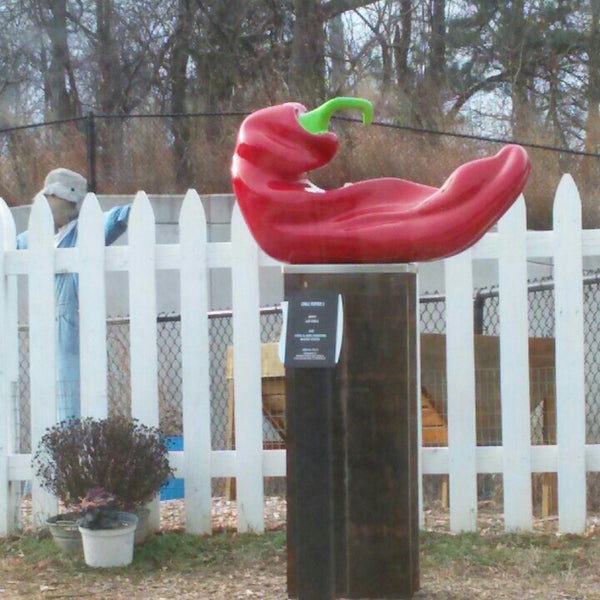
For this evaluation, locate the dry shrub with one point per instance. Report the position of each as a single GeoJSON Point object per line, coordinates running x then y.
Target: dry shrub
{"type": "Point", "coordinates": [126, 458]}
{"type": "Point", "coordinates": [28, 155]}
{"type": "Point", "coordinates": [141, 154]}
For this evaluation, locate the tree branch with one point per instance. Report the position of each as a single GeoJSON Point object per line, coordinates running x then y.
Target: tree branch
{"type": "Point", "coordinates": [478, 87]}
{"type": "Point", "coordinates": [334, 8]}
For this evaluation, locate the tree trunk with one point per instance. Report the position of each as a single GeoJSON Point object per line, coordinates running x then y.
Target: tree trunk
{"type": "Point", "coordinates": [60, 102]}
{"type": "Point", "coordinates": [428, 93]}
{"type": "Point", "coordinates": [108, 62]}
{"type": "Point", "coordinates": [220, 58]}
{"type": "Point", "coordinates": [307, 63]}
{"type": "Point", "coordinates": [338, 55]}
{"type": "Point", "coordinates": [589, 171]}
{"type": "Point", "coordinates": [179, 83]}
{"type": "Point", "coordinates": [112, 156]}
{"type": "Point", "coordinates": [402, 42]}
{"type": "Point", "coordinates": [437, 58]}
{"type": "Point", "coordinates": [518, 68]}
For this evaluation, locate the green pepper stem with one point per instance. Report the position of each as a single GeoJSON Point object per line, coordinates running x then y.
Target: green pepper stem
{"type": "Point", "coordinates": [317, 120]}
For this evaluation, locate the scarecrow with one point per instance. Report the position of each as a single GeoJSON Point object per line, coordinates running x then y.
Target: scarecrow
{"type": "Point", "coordinates": [65, 191]}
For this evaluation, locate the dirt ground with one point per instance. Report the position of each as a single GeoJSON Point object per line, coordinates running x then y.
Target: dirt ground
{"type": "Point", "coordinates": [491, 564]}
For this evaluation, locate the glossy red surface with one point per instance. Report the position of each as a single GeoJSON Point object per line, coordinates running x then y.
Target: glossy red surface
{"type": "Point", "coordinates": [373, 221]}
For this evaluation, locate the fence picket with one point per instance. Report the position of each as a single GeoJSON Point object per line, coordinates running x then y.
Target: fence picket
{"type": "Point", "coordinates": [10, 359]}
{"type": "Point", "coordinates": [6, 446]}
{"type": "Point", "coordinates": [419, 419]}
{"type": "Point", "coordinates": [570, 381]}
{"type": "Point", "coordinates": [142, 323]}
{"type": "Point", "coordinates": [142, 309]}
{"type": "Point", "coordinates": [42, 330]}
{"type": "Point", "coordinates": [247, 376]}
{"type": "Point", "coordinates": [92, 311]}
{"type": "Point", "coordinates": [514, 369]}
{"type": "Point", "coordinates": [195, 364]}
{"type": "Point", "coordinates": [460, 369]}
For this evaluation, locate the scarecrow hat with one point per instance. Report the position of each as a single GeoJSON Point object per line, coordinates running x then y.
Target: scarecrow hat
{"type": "Point", "coordinates": [65, 184]}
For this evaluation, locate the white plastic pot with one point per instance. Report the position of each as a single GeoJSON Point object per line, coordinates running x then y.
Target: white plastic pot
{"type": "Point", "coordinates": [110, 547]}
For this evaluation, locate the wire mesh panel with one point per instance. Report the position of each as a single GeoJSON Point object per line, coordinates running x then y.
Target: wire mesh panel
{"type": "Point", "coordinates": [169, 371]}
{"type": "Point", "coordinates": [591, 298]}
{"type": "Point", "coordinates": [119, 367]}
{"type": "Point", "coordinates": [220, 338]}
{"type": "Point", "coordinates": [23, 405]}
{"type": "Point", "coordinates": [432, 313]}
{"type": "Point", "coordinates": [487, 378]}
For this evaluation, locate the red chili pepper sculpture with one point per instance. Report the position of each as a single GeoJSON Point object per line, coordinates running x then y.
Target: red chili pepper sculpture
{"type": "Point", "coordinates": [373, 221]}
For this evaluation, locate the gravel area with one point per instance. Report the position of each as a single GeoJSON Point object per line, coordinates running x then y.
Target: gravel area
{"type": "Point", "coordinates": [490, 519]}
{"type": "Point", "coordinates": [224, 514]}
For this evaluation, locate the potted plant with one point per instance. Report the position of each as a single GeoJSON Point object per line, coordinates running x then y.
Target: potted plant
{"type": "Point", "coordinates": [127, 459]}
{"type": "Point", "coordinates": [107, 533]}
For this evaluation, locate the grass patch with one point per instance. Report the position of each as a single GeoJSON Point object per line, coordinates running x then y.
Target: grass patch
{"type": "Point", "coordinates": [175, 553]}
{"type": "Point", "coordinates": [543, 554]}
{"type": "Point", "coordinates": [31, 548]}
{"type": "Point", "coordinates": [226, 552]}
{"type": "Point", "coordinates": [184, 552]}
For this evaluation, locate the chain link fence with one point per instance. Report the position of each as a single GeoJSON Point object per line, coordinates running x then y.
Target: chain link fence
{"type": "Point", "coordinates": [541, 325]}
{"type": "Point", "coordinates": [432, 321]}
{"type": "Point", "coordinates": [169, 375]}
{"type": "Point", "coordinates": [542, 379]}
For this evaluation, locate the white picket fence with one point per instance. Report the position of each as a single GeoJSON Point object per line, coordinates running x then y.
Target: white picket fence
{"type": "Point", "coordinates": [193, 257]}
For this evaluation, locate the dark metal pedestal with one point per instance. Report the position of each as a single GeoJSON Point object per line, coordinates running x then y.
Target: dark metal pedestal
{"type": "Point", "coordinates": [352, 443]}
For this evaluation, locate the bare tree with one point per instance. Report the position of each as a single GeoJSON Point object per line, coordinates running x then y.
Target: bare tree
{"type": "Point", "coordinates": [179, 59]}
{"type": "Point", "coordinates": [19, 65]}
{"type": "Point", "coordinates": [60, 89]}
{"type": "Point", "coordinates": [307, 81]}
{"type": "Point", "coordinates": [590, 168]}
{"type": "Point", "coordinates": [523, 69]}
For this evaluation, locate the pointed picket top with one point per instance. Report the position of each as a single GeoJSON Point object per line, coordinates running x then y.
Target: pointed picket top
{"type": "Point", "coordinates": [141, 221]}
{"type": "Point", "coordinates": [515, 217]}
{"type": "Point", "coordinates": [41, 224]}
{"type": "Point", "coordinates": [567, 202]}
{"type": "Point", "coordinates": [192, 220]}
{"type": "Point", "coordinates": [90, 223]}
{"type": "Point", "coordinates": [9, 229]}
